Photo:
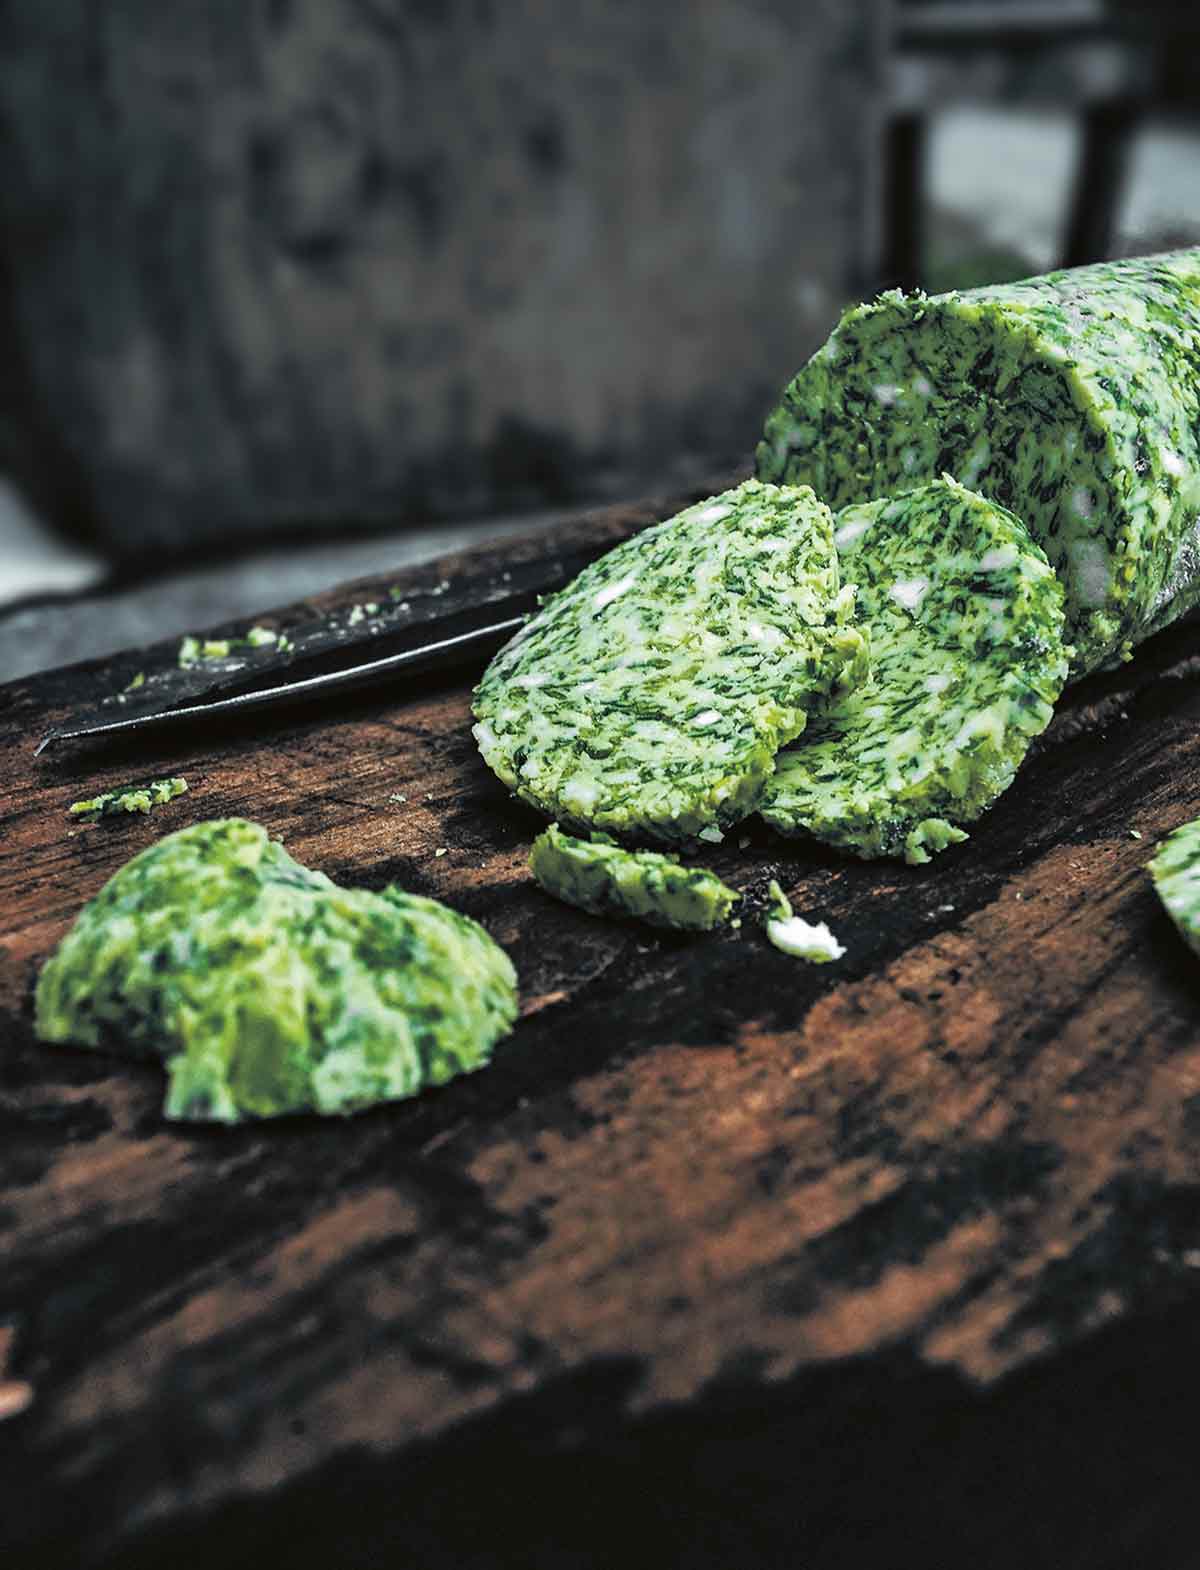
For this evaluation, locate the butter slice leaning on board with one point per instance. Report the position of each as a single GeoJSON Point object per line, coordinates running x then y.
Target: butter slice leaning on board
{"type": "Point", "coordinates": [965, 619]}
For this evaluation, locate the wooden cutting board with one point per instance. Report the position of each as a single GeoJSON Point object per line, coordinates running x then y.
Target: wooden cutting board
{"type": "Point", "coordinates": [896, 1256]}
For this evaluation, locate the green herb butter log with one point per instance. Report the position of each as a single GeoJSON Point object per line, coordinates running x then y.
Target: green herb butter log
{"type": "Point", "coordinates": [1073, 400]}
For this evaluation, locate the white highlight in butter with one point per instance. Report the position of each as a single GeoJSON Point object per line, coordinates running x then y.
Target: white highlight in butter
{"type": "Point", "coordinates": [770, 637]}
{"type": "Point", "coordinates": [580, 795]}
{"type": "Point", "coordinates": [976, 462]}
{"type": "Point", "coordinates": [1000, 559]}
{"type": "Point", "coordinates": [1090, 570]}
{"type": "Point", "coordinates": [910, 592]}
{"type": "Point", "coordinates": [613, 591]}
{"type": "Point", "coordinates": [849, 532]}
{"type": "Point", "coordinates": [712, 514]}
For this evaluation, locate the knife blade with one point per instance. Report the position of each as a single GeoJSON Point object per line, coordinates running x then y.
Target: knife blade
{"type": "Point", "coordinates": [494, 610]}
{"type": "Point", "coordinates": [243, 695]}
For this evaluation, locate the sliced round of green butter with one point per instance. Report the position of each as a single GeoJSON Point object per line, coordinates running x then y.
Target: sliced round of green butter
{"type": "Point", "coordinates": [965, 619]}
{"type": "Point", "coordinates": [650, 696]}
{"type": "Point", "coordinates": [269, 989]}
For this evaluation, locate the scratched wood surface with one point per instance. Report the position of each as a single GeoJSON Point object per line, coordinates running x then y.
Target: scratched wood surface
{"type": "Point", "coordinates": [888, 1260]}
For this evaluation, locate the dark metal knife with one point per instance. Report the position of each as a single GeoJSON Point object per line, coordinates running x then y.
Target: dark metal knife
{"type": "Point", "coordinates": [240, 695]}
{"type": "Point", "coordinates": [326, 653]}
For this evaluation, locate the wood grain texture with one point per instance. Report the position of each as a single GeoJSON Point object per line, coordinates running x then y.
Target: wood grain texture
{"type": "Point", "coordinates": [897, 1257]}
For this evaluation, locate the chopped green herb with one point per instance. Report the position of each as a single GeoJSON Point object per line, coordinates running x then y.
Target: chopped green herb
{"type": "Point", "coordinates": [601, 877]}
{"type": "Point", "coordinates": [194, 650]}
{"type": "Point", "coordinates": [779, 907]}
{"type": "Point", "coordinates": [132, 798]}
{"type": "Point", "coordinates": [268, 989]}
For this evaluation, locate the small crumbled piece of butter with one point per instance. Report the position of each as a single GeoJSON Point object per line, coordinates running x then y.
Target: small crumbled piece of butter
{"type": "Point", "coordinates": [600, 876]}
{"type": "Point", "coordinates": [133, 798]}
{"type": "Point", "coordinates": [793, 935]}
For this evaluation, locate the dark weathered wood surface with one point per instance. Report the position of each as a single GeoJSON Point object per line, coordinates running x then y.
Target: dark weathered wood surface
{"type": "Point", "coordinates": [893, 1258]}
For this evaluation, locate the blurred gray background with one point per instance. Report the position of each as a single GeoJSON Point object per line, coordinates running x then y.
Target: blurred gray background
{"type": "Point", "coordinates": [297, 290]}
